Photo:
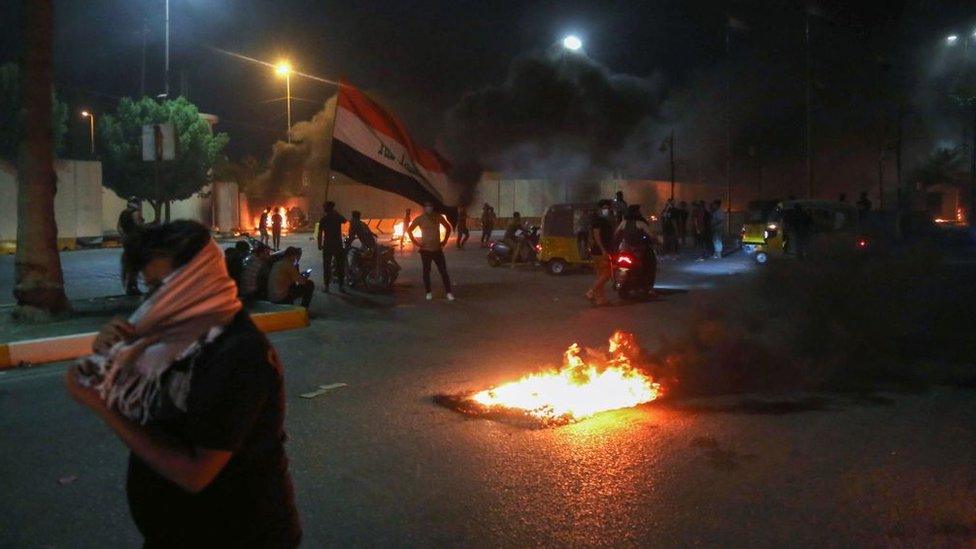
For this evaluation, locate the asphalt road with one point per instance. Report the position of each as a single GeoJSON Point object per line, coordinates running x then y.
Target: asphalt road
{"type": "Point", "coordinates": [377, 463]}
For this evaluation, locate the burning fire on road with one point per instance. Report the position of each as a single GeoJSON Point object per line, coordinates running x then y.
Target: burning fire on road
{"type": "Point", "coordinates": [579, 389]}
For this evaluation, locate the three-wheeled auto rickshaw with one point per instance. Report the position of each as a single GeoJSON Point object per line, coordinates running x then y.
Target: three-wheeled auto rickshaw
{"type": "Point", "coordinates": [564, 240]}
{"type": "Point", "coordinates": [835, 229]}
{"type": "Point", "coordinates": [754, 229]}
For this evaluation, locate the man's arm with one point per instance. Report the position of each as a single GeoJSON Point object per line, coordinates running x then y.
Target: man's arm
{"type": "Point", "coordinates": [190, 468]}
{"type": "Point", "coordinates": [595, 237]}
{"type": "Point", "coordinates": [413, 225]}
{"type": "Point", "coordinates": [447, 232]}
{"type": "Point", "coordinates": [318, 237]}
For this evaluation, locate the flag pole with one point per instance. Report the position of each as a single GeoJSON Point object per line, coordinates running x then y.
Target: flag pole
{"type": "Point", "coordinates": [328, 164]}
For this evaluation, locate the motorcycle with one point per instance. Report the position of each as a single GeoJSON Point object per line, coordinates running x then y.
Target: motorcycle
{"type": "Point", "coordinates": [527, 240]}
{"type": "Point", "coordinates": [365, 271]}
{"type": "Point", "coordinates": [634, 273]}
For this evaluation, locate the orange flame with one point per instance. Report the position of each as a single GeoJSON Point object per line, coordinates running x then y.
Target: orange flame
{"type": "Point", "coordinates": [398, 231]}
{"type": "Point", "coordinates": [578, 389]}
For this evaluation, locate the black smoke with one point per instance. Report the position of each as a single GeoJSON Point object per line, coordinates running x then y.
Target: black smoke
{"type": "Point", "coordinates": [557, 114]}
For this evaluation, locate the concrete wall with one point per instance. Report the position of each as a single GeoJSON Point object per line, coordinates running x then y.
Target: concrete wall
{"type": "Point", "coordinates": [77, 204]}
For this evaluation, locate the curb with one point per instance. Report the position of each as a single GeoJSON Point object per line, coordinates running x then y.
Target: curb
{"type": "Point", "coordinates": [69, 347]}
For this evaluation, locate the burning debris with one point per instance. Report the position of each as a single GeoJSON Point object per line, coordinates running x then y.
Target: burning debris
{"type": "Point", "coordinates": [582, 387]}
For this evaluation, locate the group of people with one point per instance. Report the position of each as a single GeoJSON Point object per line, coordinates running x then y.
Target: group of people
{"type": "Point", "coordinates": [273, 217]}
{"type": "Point", "coordinates": [611, 231]}
{"type": "Point", "coordinates": [706, 221]}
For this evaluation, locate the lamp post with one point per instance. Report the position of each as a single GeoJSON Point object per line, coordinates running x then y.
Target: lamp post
{"type": "Point", "coordinates": [91, 130]}
{"type": "Point", "coordinates": [968, 101]}
{"type": "Point", "coordinates": [284, 69]}
{"type": "Point", "coordinates": [572, 43]}
{"type": "Point", "coordinates": [166, 86]}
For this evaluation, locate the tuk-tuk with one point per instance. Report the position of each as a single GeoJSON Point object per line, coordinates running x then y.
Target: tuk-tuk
{"type": "Point", "coordinates": [564, 240]}
{"type": "Point", "coordinates": [753, 230]}
{"type": "Point", "coordinates": [835, 229]}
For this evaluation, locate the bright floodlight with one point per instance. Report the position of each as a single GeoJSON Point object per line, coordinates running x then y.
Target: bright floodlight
{"type": "Point", "coordinates": [85, 113]}
{"type": "Point", "coordinates": [283, 68]}
{"type": "Point", "coordinates": [951, 39]}
{"type": "Point", "coordinates": [572, 43]}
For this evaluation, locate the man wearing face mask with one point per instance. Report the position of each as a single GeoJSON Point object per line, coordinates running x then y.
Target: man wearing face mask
{"type": "Point", "coordinates": [601, 240]}
{"type": "Point", "coordinates": [431, 246]}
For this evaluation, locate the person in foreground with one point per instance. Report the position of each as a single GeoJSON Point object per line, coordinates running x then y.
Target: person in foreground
{"type": "Point", "coordinates": [432, 246]}
{"type": "Point", "coordinates": [195, 391]}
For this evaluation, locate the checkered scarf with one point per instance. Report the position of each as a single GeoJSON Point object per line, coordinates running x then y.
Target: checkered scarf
{"type": "Point", "coordinates": [191, 307]}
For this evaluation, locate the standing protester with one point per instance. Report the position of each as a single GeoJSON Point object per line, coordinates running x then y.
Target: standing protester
{"type": "Point", "coordinates": [681, 221]}
{"type": "Point", "coordinates": [718, 229]}
{"type": "Point", "coordinates": [487, 224]}
{"type": "Point", "coordinates": [462, 228]}
{"type": "Point", "coordinates": [669, 228]}
{"type": "Point", "coordinates": [863, 205]}
{"type": "Point", "coordinates": [286, 284]}
{"type": "Point", "coordinates": [432, 246]}
{"type": "Point", "coordinates": [195, 391]}
{"type": "Point", "coordinates": [276, 222]}
{"type": "Point", "coordinates": [130, 222]}
{"type": "Point", "coordinates": [601, 241]}
{"type": "Point", "coordinates": [255, 272]}
{"type": "Point", "coordinates": [708, 244]}
{"type": "Point", "coordinates": [329, 241]}
{"type": "Point", "coordinates": [406, 223]}
{"type": "Point", "coordinates": [619, 206]}
{"type": "Point", "coordinates": [263, 225]}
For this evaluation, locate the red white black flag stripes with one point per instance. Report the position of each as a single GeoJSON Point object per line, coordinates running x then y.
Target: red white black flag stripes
{"type": "Point", "coordinates": [371, 146]}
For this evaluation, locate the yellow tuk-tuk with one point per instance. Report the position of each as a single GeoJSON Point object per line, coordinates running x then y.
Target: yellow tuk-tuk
{"type": "Point", "coordinates": [835, 229]}
{"type": "Point", "coordinates": [754, 229]}
{"type": "Point", "coordinates": [564, 239]}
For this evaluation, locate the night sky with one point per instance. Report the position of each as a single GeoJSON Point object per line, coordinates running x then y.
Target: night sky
{"type": "Point", "coordinates": [421, 57]}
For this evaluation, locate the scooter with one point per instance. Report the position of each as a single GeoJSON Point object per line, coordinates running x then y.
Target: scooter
{"type": "Point", "coordinates": [500, 252]}
{"type": "Point", "coordinates": [634, 273]}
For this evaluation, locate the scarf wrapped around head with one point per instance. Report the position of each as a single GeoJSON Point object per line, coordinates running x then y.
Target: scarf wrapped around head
{"type": "Point", "coordinates": [194, 302]}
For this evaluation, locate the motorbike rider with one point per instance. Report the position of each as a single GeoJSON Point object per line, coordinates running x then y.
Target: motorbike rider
{"type": "Point", "coordinates": [634, 235]}
{"type": "Point", "coordinates": [360, 231]}
{"type": "Point", "coordinates": [512, 238]}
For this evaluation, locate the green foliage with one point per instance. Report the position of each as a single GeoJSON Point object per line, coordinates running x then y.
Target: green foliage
{"type": "Point", "coordinates": [942, 166]}
{"type": "Point", "coordinates": [120, 141]}
{"type": "Point", "coordinates": [12, 114]}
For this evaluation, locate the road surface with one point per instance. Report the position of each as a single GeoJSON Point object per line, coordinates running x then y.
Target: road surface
{"type": "Point", "coordinates": [377, 463]}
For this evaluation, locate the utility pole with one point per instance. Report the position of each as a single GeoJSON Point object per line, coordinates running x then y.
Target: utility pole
{"type": "Point", "coordinates": [728, 128]}
{"type": "Point", "coordinates": [166, 86]}
{"type": "Point", "coordinates": [671, 150]}
{"type": "Point", "coordinates": [142, 73]}
{"type": "Point", "coordinates": [808, 141]}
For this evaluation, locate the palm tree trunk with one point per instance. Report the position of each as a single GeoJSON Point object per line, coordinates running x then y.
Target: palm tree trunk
{"type": "Point", "coordinates": [39, 282]}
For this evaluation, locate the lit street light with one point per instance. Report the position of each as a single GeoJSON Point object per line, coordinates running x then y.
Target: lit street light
{"type": "Point", "coordinates": [283, 68]}
{"type": "Point", "coordinates": [952, 39]}
{"type": "Point", "coordinates": [91, 130]}
{"type": "Point", "coordinates": [572, 43]}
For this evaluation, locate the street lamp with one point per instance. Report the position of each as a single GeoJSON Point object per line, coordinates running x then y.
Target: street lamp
{"type": "Point", "coordinates": [572, 43]}
{"type": "Point", "coordinates": [91, 129]}
{"type": "Point", "coordinates": [952, 39]}
{"type": "Point", "coordinates": [283, 68]}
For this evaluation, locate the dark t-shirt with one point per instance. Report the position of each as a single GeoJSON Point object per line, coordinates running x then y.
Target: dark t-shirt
{"type": "Point", "coordinates": [235, 403]}
{"type": "Point", "coordinates": [331, 225]}
{"type": "Point", "coordinates": [601, 224]}
{"type": "Point", "coordinates": [127, 221]}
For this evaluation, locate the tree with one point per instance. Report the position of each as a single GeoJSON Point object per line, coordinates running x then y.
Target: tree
{"type": "Point", "coordinates": [12, 114]}
{"type": "Point", "coordinates": [39, 282]}
{"type": "Point", "coordinates": [124, 171]}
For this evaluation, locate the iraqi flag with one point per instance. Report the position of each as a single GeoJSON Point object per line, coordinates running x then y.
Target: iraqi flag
{"type": "Point", "coordinates": [371, 146]}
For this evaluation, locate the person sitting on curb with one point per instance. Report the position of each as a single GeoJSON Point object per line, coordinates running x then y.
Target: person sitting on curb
{"type": "Point", "coordinates": [286, 284]}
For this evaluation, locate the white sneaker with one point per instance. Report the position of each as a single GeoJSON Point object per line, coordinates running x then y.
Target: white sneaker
{"type": "Point", "coordinates": [450, 296]}
{"type": "Point", "coordinates": [430, 296]}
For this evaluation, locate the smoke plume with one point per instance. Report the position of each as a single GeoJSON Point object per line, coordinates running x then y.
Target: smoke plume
{"type": "Point", "coordinates": [558, 114]}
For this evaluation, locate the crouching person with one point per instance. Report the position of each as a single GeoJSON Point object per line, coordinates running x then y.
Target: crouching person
{"type": "Point", "coordinates": [195, 391]}
{"type": "Point", "coordinates": [286, 284]}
